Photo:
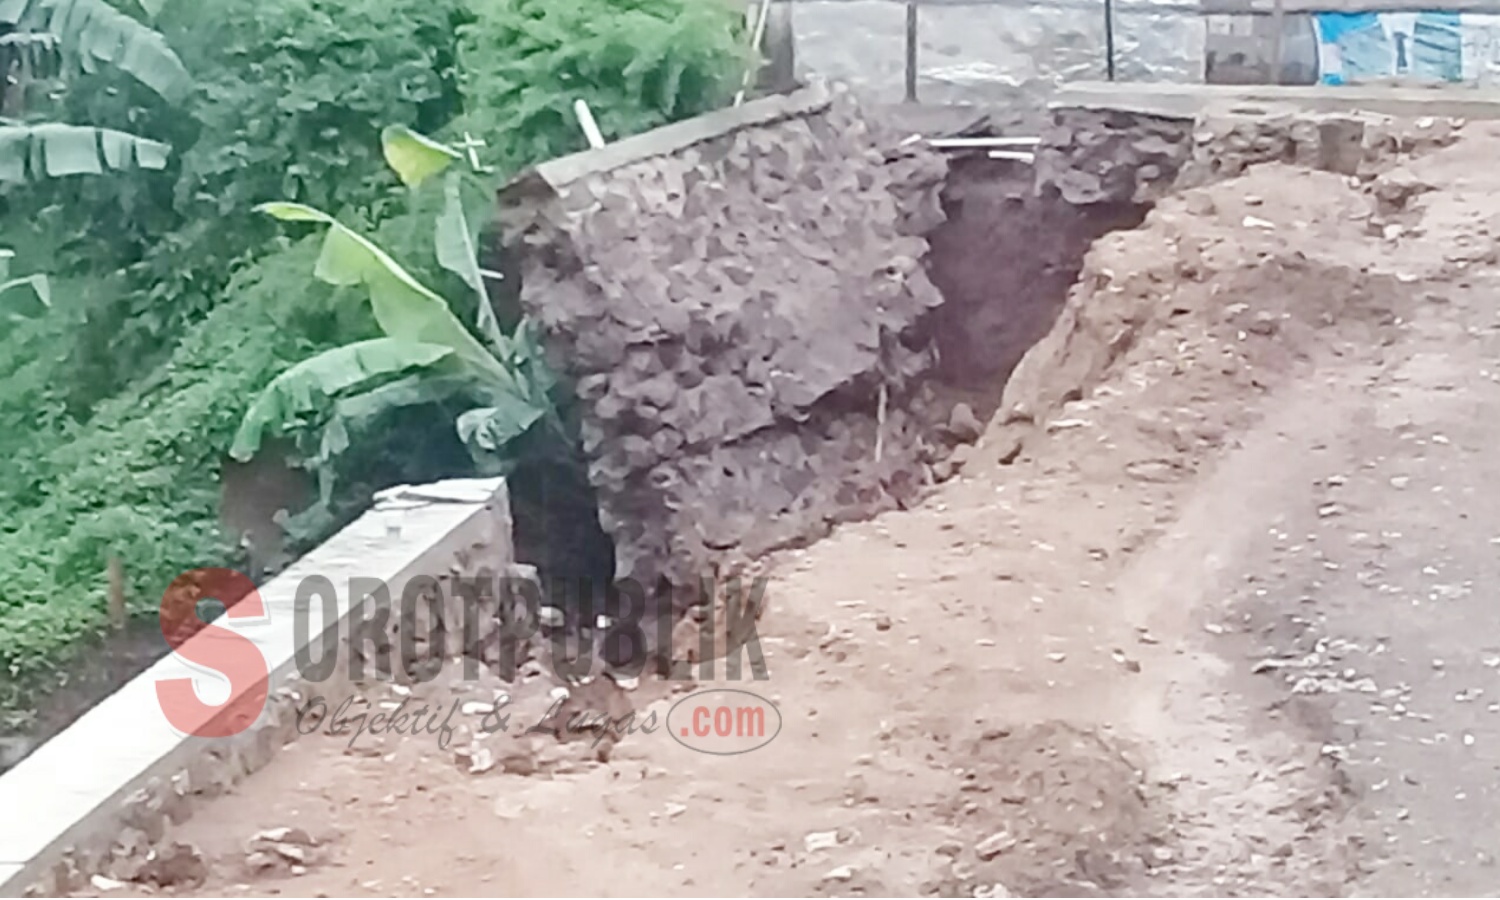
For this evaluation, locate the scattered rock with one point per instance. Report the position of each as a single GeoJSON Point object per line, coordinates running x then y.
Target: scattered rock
{"type": "Point", "coordinates": [1007, 449]}
{"type": "Point", "coordinates": [820, 840]}
{"type": "Point", "coordinates": [1154, 471]}
{"type": "Point", "coordinates": [963, 426]}
{"type": "Point", "coordinates": [1264, 324]}
{"type": "Point", "coordinates": [481, 760]}
{"type": "Point", "coordinates": [284, 836]}
{"type": "Point", "coordinates": [1018, 414]}
{"type": "Point", "coordinates": [1199, 203]}
{"type": "Point", "coordinates": [280, 849]}
{"type": "Point", "coordinates": [101, 883]}
{"type": "Point", "coordinates": [842, 873]}
{"type": "Point", "coordinates": [177, 865]}
{"type": "Point", "coordinates": [960, 457]}
{"type": "Point", "coordinates": [994, 845]}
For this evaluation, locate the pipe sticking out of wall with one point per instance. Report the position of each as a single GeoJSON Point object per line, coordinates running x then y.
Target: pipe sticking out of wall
{"type": "Point", "coordinates": [756, 39]}
{"type": "Point", "coordinates": [969, 143]}
{"type": "Point", "coordinates": [587, 123]}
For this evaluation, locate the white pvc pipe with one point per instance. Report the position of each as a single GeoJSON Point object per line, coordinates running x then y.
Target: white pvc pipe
{"type": "Point", "coordinates": [960, 143]}
{"type": "Point", "coordinates": [755, 42]}
{"type": "Point", "coordinates": [586, 121]}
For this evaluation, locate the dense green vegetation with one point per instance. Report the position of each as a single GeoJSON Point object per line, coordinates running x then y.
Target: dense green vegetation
{"type": "Point", "coordinates": [138, 140]}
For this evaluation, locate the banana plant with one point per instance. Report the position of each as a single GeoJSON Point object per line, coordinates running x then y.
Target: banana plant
{"type": "Point", "coordinates": [54, 150]}
{"type": "Point", "coordinates": [45, 39]}
{"type": "Point", "coordinates": [426, 354]}
{"type": "Point", "coordinates": [88, 33]}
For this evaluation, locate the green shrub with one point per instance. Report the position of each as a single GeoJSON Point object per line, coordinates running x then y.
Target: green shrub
{"type": "Point", "coordinates": [638, 64]}
{"type": "Point", "coordinates": [140, 479]}
{"type": "Point", "coordinates": [289, 101]}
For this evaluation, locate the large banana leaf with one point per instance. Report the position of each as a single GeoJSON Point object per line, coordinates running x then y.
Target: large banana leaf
{"type": "Point", "coordinates": [334, 375]}
{"type": "Point", "coordinates": [91, 32]}
{"type": "Point", "coordinates": [487, 431]}
{"type": "Point", "coordinates": [457, 253]}
{"type": "Point", "coordinates": [53, 150]}
{"type": "Point", "coordinates": [355, 411]}
{"type": "Point", "coordinates": [415, 158]}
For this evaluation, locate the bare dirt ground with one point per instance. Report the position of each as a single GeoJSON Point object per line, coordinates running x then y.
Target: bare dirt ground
{"type": "Point", "coordinates": [1220, 628]}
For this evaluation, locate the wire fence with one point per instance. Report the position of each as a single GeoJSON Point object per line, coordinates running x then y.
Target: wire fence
{"type": "Point", "coordinates": [1019, 51]}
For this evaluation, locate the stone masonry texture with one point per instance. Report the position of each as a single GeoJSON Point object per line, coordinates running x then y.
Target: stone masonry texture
{"type": "Point", "coordinates": [731, 297]}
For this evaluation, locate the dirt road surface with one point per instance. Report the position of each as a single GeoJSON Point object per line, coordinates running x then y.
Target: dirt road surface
{"type": "Point", "coordinates": [1208, 611]}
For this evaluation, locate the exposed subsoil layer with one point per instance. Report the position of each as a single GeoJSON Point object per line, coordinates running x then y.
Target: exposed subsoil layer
{"type": "Point", "coordinates": [1253, 453]}
{"type": "Point", "coordinates": [1002, 239]}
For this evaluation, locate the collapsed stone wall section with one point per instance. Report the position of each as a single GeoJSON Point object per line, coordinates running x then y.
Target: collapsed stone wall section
{"type": "Point", "coordinates": [732, 296]}
{"type": "Point", "coordinates": [1093, 156]}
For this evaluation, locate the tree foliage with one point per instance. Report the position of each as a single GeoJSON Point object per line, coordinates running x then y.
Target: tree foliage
{"type": "Point", "coordinates": [638, 63]}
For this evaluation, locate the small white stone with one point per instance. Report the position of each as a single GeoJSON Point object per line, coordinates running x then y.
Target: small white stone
{"type": "Point", "coordinates": [820, 840]}
{"type": "Point", "coordinates": [994, 845]}
{"type": "Point", "coordinates": [483, 761]}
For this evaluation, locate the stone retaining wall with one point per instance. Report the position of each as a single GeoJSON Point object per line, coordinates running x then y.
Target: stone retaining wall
{"type": "Point", "coordinates": [731, 296]}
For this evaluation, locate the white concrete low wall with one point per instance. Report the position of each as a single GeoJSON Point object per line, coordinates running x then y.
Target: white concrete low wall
{"type": "Point", "coordinates": [122, 770]}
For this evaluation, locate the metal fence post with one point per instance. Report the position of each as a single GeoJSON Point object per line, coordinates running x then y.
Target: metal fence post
{"type": "Point", "coordinates": [911, 51]}
{"type": "Point", "coordinates": [1109, 38]}
{"type": "Point", "coordinates": [1278, 34]}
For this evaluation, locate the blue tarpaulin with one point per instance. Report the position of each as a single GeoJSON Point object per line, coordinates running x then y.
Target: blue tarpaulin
{"type": "Point", "coordinates": [1424, 46]}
